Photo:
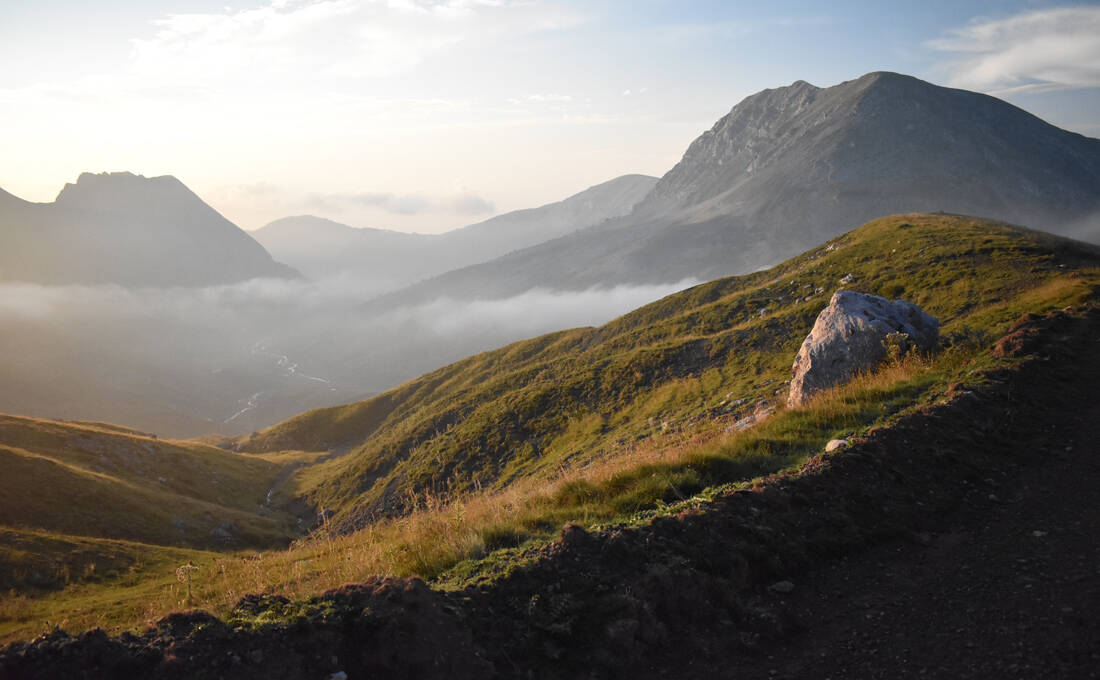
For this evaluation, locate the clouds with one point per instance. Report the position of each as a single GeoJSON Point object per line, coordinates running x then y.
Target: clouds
{"type": "Point", "coordinates": [404, 204]}
{"type": "Point", "coordinates": [536, 311]}
{"type": "Point", "coordinates": [1049, 49]}
{"type": "Point", "coordinates": [184, 360]}
{"type": "Point", "coordinates": [331, 39]}
{"type": "Point", "coordinates": [267, 201]}
{"type": "Point", "coordinates": [553, 98]}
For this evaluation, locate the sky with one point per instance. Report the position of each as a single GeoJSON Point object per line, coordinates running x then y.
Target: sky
{"type": "Point", "coordinates": [427, 115]}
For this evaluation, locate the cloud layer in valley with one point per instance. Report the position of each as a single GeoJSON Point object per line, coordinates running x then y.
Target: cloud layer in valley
{"type": "Point", "coordinates": [236, 358]}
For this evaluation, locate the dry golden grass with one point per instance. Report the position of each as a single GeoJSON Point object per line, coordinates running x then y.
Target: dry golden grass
{"type": "Point", "coordinates": [442, 532]}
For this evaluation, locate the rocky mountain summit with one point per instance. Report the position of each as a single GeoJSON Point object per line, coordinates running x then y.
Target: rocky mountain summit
{"type": "Point", "coordinates": [854, 333]}
{"type": "Point", "coordinates": [845, 151]}
{"type": "Point", "coordinates": [130, 230]}
{"type": "Point", "coordinates": [790, 167]}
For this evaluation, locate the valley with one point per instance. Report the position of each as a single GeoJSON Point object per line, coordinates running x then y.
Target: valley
{"type": "Point", "coordinates": [594, 451]}
{"type": "Point", "coordinates": [818, 400]}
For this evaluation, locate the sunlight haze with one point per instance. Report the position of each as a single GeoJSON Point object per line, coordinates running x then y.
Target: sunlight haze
{"type": "Point", "coordinates": [429, 115]}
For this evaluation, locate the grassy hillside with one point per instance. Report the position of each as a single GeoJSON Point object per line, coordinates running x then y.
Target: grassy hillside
{"type": "Point", "coordinates": [697, 361]}
{"type": "Point", "coordinates": [176, 467]}
{"type": "Point", "coordinates": [464, 467]}
{"type": "Point", "coordinates": [102, 481]}
{"type": "Point", "coordinates": [80, 582]}
{"type": "Point", "coordinates": [97, 517]}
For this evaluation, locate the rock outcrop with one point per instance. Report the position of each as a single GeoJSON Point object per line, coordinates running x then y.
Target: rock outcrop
{"type": "Point", "coordinates": [851, 335]}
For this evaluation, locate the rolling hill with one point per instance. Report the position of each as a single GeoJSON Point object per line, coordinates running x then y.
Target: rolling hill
{"type": "Point", "coordinates": [790, 167]}
{"type": "Point", "coordinates": [130, 230]}
{"type": "Point", "coordinates": [101, 481]}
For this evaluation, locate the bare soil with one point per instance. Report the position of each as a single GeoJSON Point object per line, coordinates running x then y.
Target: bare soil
{"type": "Point", "coordinates": [1005, 586]}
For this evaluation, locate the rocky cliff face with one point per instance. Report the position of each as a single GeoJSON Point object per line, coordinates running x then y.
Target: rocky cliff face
{"type": "Point", "coordinates": [130, 230]}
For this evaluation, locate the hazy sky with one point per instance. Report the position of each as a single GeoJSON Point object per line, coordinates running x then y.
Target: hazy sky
{"type": "Point", "coordinates": [425, 115]}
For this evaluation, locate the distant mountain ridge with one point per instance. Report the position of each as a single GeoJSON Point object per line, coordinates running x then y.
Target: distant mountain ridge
{"type": "Point", "coordinates": [793, 166]}
{"type": "Point", "coordinates": [320, 247]}
{"type": "Point", "coordinates": [130, 230]}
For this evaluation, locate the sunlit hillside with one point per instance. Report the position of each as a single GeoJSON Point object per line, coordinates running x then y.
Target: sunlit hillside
{"type": "Point", "coordinates": [450, 475]}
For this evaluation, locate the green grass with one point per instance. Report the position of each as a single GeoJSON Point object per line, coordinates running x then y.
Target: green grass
{"type": "Point", "coordinates": [78, 582]}
{"type": "Point", "coordinates": [185, 468]}
{"type": "Point", "coordinates": [89, 480]}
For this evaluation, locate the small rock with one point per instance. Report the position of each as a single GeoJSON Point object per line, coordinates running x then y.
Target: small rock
{"type": "Point", "coordinates": [1038, 534]}
{"type": "Point", "coordinates": [338, 675]}
{"type": "Point", "coordinates": [782, 587]}
{"type": "Point", "coordinates": [835, 444]}
{"type": "Point", "coordinates": [847, 278]}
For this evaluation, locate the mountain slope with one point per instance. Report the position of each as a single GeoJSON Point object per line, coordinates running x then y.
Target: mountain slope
{"type": "Point", "coordinates": [790, 167]}
{"type": "Point", "coordinates": [102, 481]}
{"type": "Point", "coordinates": [129, 230]}
{"type": "Point", "coordinates": [320, 247]}
{"type": "Point", "coordinates": [710, 356]}
{"type": "Point", "coordinates": [634, 426]}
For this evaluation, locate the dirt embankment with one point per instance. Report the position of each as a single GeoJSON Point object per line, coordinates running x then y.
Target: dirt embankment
{"type": "Point", "coordinates": [958, 542]}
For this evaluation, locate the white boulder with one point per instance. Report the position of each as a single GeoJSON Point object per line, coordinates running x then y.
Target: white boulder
{"type": "Point", "coordinates": [849, 336]}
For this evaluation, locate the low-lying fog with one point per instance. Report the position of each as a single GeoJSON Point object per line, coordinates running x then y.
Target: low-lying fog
{"type": "Point", "coordinates": [233, 359]}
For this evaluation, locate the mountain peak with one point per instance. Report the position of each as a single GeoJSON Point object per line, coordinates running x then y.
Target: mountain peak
{"type": "Point", "coordinates": [887, 77]}
{"type": "Point", "coordinates": [119, 227]}
{"type": "Point", "coordinates": [106, 189]}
